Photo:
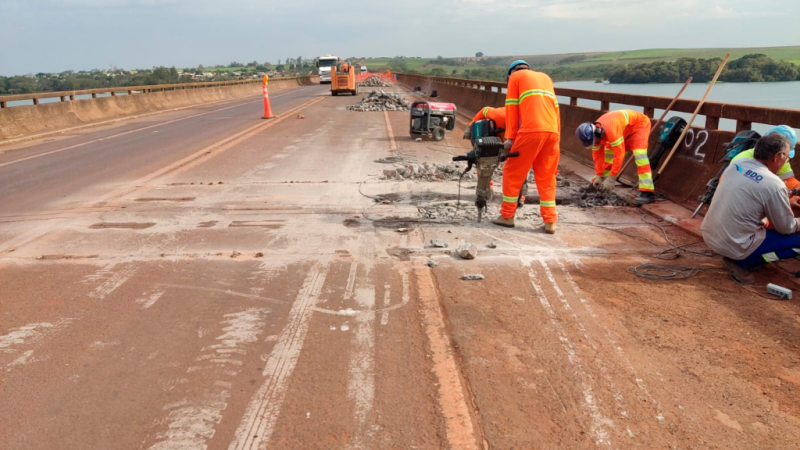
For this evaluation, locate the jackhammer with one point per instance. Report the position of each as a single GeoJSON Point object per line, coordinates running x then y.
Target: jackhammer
{"type": "Point", "coordinates": [487, 153]}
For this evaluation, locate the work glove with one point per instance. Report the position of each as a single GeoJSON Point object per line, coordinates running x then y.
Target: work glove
{"type": "Point", "coordinates": [466, 133]}
{"type": "Point", "coordinates": [507, 145]}
{"type": "Point", "coordinates": [597, 183]}
{"type": "Point", "coordinates": [608, 184]}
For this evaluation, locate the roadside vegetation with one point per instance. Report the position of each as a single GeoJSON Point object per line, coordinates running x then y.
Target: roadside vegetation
{"type": "Point", "coordinates": [640, 66]}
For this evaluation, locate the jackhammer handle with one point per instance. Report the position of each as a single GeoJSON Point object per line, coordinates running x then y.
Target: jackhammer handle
{"type": "Point", "coordinates": [460, 158]}
{"type": "Point", "coordinates": [512, 155]}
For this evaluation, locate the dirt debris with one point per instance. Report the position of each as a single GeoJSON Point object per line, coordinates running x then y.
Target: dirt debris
{"type": "Point", "coordinates": [381, 101]}
{"type": "Point", "coordinates": [473, 276]}
{"type": "Point", "coordinates": [467, 251]}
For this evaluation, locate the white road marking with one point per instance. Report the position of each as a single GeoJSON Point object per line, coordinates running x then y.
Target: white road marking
{"type": "Point", "coordinates": [191, 422]}
{"type": "Point", "coordinates": [612, 340]}
{"type": "Point", "coordinates": [361, 385]}
{"type": "Point", "coordinates": [387, 299]}
{"type": "Point", "coordinates": [259, 419]}
{"type": "Point", "coordinates": [351, 281]}
{"type": "Point", "coordinates": [599, 423]}
{"type": "Point", "coordinates": [149, 299]}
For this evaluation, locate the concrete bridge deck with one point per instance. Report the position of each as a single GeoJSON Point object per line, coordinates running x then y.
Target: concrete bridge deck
{"type": "Point", "coordinates": [205, 279]}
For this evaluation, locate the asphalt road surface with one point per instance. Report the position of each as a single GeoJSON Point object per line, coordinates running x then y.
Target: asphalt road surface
{"type": "Point", "coordinates": [207, 279]}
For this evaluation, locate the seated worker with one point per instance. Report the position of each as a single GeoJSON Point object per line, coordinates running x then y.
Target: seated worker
{"type": "Point", "coordinates": [750, 191]}
{"type": "Point", "coordinates": [785, 173]}
{"type": "Point", "coordinates": [609, 137]}
{"type": "Point", "coordinates": [498, 115]}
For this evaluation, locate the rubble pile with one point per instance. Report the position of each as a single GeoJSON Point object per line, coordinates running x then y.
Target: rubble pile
{"type": "Point", "coordinates": [593, 198]}
{"type": "Point", "coordinates": [468, 212]}
{"type": "Point", "coordinates": [381, 101]}
{"type": "Point", "coordinates": [429, 172]}
{"type": "Point", "coordinates": [375, 81]}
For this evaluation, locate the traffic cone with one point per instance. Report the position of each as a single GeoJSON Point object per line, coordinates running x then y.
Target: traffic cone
{"type": "Point", "coordinates": [267, 109]}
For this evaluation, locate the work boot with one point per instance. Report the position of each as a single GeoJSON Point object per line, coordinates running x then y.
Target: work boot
{"type": "Point", "coordinates": [550, 228]}
{"type": "Point", "coordinates": [742, 276]}
{"type": "Point", "coordinates": [503, 222]}
{"type": "Point", "coordinates": [644, 198]}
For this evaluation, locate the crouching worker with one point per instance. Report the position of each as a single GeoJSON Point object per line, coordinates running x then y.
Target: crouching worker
{"type": "Point", "coordinates": [749, 192]}
{"type": "Point", "coordinates": [497, 115]}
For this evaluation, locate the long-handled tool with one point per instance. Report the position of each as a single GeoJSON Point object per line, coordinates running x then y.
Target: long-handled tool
{"type": "Point", "coordinates": [696, 111]}
{"type": "Point", "coordinates": [658, 122]}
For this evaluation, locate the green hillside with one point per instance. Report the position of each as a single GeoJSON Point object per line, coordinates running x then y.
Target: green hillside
{"type": "Point", "coordinates": [581, 64]}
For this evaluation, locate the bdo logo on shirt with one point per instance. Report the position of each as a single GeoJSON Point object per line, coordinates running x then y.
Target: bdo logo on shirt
{"type": "Point", "coordinates": [753, 175]}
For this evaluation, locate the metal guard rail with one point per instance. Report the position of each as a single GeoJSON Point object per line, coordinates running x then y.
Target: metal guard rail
{"type": "Point", "coordinates": [744, 115]}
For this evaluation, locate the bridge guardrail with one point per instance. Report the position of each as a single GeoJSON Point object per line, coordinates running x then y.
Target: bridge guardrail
{"type": "Point", "coordinates": [64, 95]}
{"type": "Point", "coordinates": [696, 160]}
{"type": "Point", "coordinates": [744, 115]}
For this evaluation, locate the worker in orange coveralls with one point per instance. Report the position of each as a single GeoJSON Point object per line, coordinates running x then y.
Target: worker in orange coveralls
{"type": "Point", "coordinates": [608, 138]}
{"type": "Point", "coordinates": [497, 115]}
{"type": "Point", "coordinates": [533, 130]}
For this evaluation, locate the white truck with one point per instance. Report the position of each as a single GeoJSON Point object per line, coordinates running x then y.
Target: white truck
{"type": "Point", "coordinates": [325, 63]}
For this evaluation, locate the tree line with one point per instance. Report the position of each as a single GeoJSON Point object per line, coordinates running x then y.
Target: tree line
{"type": "Point", "coordinates": [748, 68]}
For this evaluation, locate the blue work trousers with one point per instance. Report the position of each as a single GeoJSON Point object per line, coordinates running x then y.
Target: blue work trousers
{"type": "Point", "coordinates": [775, 247]}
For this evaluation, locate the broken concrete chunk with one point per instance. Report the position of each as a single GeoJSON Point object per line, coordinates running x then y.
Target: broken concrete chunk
{"type": "Point", "coordinates": [491, 245]}
{"type": "Point", "coordinates": [473, 276]}
{"type": "Point", "coordinates": [467, 251]}
{"type": "Point", "coordinates": [432, 264]}
{"type": "Point", "coordinates": [402, 230]}
{"type": "Point", "coordinates": [438, 243]}
{"type": "Point", "coordinates": [390, 173]}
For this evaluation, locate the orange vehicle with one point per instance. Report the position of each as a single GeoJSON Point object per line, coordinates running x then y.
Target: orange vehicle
{"type": "Point", "coordinates": [343, 79]}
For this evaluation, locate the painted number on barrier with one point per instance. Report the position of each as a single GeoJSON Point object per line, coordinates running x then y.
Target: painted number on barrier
{"type": "Point", "coordinates": [695, 143]}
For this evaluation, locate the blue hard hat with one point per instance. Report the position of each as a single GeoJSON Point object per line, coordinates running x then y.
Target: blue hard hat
{"type": "Point", "coordinates": [515, 64]}
{"type": "Point", "coordinates": [585, 134]}
{"type": "Point", "coordinates": [789, 133]}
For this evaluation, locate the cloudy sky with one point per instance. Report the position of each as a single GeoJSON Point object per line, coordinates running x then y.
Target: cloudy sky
{"type": "Point", "coordinates": [56, 35]}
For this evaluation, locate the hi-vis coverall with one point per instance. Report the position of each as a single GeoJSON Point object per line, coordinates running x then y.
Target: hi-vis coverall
{"type": "Point", "coordinates": [534, 124]}
{"type": "Point", "coordinates": [623, 129]}
{"type": "Point", "coordinates": [498, 115]}
{"type": "Point", "coordinates": [785, 173]}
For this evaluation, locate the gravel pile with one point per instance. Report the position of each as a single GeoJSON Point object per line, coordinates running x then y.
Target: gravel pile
{"type": "Point", "coordinates": [468, 212]}
{"type": "Point", "coordinates": [429, 172]}
{"type": "Point", "coordinates": [381, 101]}
{"type": "Point", "coordinates": [375, 81]}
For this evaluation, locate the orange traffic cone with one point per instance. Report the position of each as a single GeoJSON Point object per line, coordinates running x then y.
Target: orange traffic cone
{"type": "Point", "coordinates": [267, 109]}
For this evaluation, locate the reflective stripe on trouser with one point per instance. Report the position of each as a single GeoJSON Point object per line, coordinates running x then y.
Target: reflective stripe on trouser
{"type": "Point", "coordinates": [540, 151]}
{"type": "Point", "coordinates": [643, 169]}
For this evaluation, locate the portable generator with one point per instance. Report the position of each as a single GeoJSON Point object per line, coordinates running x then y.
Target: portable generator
{"type": "Point", "coordinates": [432, 119]}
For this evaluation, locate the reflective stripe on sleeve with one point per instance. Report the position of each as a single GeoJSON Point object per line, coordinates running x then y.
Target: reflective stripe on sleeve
{"type": "Point", "coordinates": [770, 257]}
{"type": "Point", "coordinates": [627, 119]}
{"type": "Point", "coordinates": [618, 142]}
{"type": "Point", "coordinates": [512, 101]}
{"type": "Point", "coordinates": [485, 111]}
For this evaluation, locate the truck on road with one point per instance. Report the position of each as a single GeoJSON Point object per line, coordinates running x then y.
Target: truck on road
{"type": "Point", "coordinates": [325, 63]}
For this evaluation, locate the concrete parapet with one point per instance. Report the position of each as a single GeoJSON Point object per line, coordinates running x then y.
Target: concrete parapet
{"type": "Point", "coordinates": [29, 120]}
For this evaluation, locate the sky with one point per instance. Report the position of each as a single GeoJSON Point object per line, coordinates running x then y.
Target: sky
{"type": "Point", "coordinates": [57, 35]}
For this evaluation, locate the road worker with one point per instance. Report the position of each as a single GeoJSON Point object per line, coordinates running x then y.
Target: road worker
{"type": "Point", "coordinates": [785, 173]}
{"type": "Point", "coordinates": [608, 138]}
{"type": "Point", "coordinates": [750, 191]}
{"type": "Point", "coordinates": [533, 128]}
{"type": "Point", "coordinates": [497, 115]}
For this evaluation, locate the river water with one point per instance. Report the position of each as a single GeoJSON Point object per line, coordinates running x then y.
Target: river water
{"type": "Point", "coordinates": [784, 95]}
